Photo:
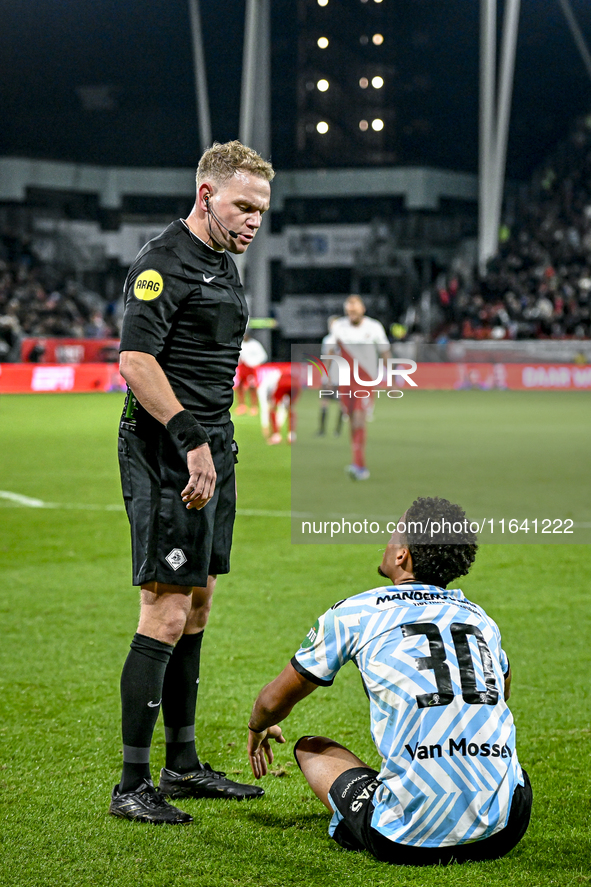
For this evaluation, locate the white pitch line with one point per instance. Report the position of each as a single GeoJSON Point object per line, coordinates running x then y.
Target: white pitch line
{"type": "Point", "coordinates": [22, 500]}
{"type": "Point", "coordinates": [29, 502]}
{"type": "Point", "coordinates": [253, 512]}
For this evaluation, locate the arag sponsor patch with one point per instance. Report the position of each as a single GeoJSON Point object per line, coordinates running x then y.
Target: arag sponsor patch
{"type": "Point", "coordinates": [148, 285]}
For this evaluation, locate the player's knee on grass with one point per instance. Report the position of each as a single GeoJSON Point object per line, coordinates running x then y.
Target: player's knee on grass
{"type": "Point", "coordinates": [310, 748]}
{"type": "Point", "coordinates": [322, 760]}
{"type": "Point", "coordinates": [305, 744]}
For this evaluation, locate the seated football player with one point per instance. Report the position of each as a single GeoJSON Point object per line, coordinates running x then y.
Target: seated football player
{"type": "Point", "coordinates": [449, 786]}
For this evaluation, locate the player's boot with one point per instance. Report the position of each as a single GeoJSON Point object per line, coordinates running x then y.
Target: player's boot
{"type": "Point", "coordinates": [146, 804]}
{"type": "Point", "coordinates": [205, 783]}
{"type": "Point", "coordinates": [355, 472]}
{"type": "Point", "coordinates": [275, 438]}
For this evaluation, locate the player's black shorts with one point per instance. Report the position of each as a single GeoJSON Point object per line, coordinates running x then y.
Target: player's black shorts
{"type": "Point", "coordinates": [170, 543]}
{"type": "Point", "coordinates": [352, 796]}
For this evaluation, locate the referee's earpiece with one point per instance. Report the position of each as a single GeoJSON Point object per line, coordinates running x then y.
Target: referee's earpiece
{"type": "Point", "coordinates": [219, 221]}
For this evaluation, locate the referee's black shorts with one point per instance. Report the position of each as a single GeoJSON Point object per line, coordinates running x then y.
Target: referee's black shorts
{"type": "Point", "coordinates": [351, 795]}
{"type": "Point", "coordinates": [169, 543]}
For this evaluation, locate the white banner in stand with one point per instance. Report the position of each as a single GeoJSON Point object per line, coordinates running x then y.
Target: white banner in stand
{"type": "Point", "coordinates": [313, 246]}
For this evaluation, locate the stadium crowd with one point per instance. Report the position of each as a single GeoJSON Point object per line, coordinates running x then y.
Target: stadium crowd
{"type": "Point", "coordinates": [38, 300]}
{"type": "Point", "coordinates": [539, 283]}
{"type": "Point", "coordinates": [537, 286]}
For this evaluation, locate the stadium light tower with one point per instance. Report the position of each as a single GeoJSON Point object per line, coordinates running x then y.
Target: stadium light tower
{"type": "Point", "coordinates": [201, 94]}
{"type": "Point", "coordinates": [254, 126]}
{"type": "Point", "coordinates": [255, 131]}
{"type": "Point", "coordinates": [495, 112]}
{"type": "Point", "coordinates": [255, 95]}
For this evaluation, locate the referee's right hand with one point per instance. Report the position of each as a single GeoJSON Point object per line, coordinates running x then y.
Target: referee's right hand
{"type": "Point", "coordinates": [202, 477]}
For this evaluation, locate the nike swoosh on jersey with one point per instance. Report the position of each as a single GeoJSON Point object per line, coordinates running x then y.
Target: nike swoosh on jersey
{"type": "Point", "coordinates": [208, 279]}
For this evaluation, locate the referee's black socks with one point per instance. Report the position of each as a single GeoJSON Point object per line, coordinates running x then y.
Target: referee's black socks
{"type": "Point", "coordinates": [179, 700]}
{"type": "Point", "coordinates": [141, 695]}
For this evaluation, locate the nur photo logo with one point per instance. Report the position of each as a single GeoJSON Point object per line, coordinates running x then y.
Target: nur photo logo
{"type": "Point", "coordinates": [350, 373]}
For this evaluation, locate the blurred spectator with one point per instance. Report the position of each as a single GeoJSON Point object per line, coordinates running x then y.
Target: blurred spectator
{"type": "Point", "coordinates": [37, 352]}
{"type": "Point", "coordinates": [97, 327]}
{"type": "Point", "coordinates": [10, 338]}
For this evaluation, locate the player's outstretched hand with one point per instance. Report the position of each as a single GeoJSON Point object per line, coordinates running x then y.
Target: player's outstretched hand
{"type": "Point", "coordinates": [259, 749]}
{"type": "Point", "coordinates": [202, 477]}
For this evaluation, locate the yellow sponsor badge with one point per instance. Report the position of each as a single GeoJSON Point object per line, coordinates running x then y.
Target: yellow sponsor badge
{"type": "Point", "coordinates": [148, 285]}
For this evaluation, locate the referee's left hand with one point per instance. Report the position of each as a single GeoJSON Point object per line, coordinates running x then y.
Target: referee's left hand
{"type": "Point", "coordinates": [202, 477]}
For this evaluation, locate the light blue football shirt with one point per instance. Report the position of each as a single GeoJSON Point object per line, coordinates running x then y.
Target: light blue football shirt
{"type": "Point", "coordinates": [434, 669]}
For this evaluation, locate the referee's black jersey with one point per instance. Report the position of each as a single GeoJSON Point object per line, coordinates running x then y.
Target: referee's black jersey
{"type": "Point", "coordinates": [184, 304]}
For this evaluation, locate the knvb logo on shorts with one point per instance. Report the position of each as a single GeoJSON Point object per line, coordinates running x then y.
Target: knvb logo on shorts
{"type": "Point", "coordinates": [387, 371]}
{"type": "Point", "coordinates": [176, 558]}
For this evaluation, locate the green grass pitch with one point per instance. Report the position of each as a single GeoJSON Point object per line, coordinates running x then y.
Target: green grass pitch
{"type": "Point", "coordinates": [68, 612]}
{"type": "Point", "coordinates": [506, 456]}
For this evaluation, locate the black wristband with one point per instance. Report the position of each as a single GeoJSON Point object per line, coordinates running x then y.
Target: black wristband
{"type": "Point", "coordinates": [252, 730]}
{"type": "Point", "coordinates": [186, 429]}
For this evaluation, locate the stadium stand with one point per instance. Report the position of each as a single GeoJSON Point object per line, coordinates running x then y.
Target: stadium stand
{"type": "Point", "coordinates": [539, 284]}
{"type": "Point", "coordinates": [36, 299]}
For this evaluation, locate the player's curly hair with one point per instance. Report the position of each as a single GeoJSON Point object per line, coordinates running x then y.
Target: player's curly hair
{"type": "Point", "coordinates": [220, 162]}
{"type": "Point", "coordinates": [438, 557]}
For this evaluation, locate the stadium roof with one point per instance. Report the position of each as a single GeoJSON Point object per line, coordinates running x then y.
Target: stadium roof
{"type": "Point", "coordinates": [111, 82]}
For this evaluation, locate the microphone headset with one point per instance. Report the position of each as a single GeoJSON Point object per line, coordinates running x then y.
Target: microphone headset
{"type": "Point", "coordinates": [216, 219]}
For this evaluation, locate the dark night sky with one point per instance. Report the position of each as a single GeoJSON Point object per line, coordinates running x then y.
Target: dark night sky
{"type": "Point", "coordinates": [142, 53]}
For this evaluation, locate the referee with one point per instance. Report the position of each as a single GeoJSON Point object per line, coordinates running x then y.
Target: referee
{"type": "Point", "coordinates": [184, 321]}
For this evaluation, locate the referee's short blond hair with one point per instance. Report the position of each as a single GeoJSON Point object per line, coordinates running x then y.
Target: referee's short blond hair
{"type": "Point", "coordinates": [221, 161]}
